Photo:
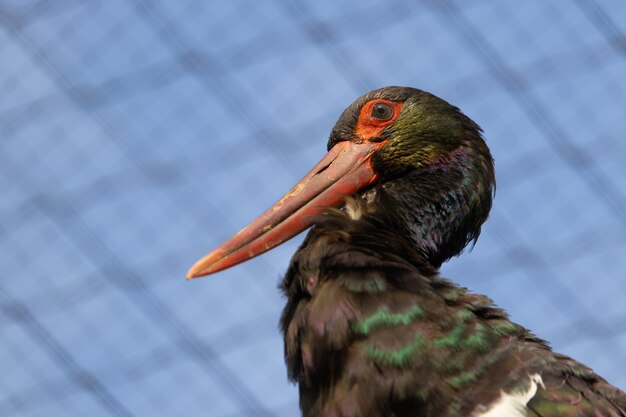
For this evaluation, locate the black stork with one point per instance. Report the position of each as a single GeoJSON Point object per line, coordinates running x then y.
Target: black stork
{"type": "Point", "coordinates": [370, 327]}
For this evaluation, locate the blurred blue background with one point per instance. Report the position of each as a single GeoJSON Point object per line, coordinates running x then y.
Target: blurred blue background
{"type": "Point", "coordinates": [137, 135]}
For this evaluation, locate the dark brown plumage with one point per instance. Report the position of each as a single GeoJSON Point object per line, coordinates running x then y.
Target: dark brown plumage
{"type": "Point", "coordinates": [439, 350]}
{"type": "Point", "coordinates": [370, 327]}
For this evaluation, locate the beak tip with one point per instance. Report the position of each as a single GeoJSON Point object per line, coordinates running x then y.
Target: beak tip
{"type": "Point", "coordinates": [195, 272]}
{"type": "Point", "coordinates": [203, 266]}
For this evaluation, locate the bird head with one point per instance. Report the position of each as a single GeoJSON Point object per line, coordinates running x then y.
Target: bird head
{"type": "Point", "coordinates": [405, 151]}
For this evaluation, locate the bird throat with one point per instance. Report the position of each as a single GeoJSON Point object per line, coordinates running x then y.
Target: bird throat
{"type": "Point", "coordinates": [435, 210]}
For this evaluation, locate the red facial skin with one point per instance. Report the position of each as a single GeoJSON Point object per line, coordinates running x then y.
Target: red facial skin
{"type": "Point", "coordinates": [369, 127]}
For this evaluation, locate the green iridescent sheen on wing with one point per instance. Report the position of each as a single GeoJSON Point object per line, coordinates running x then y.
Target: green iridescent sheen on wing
{"type": "Point", "coordinates": [383, 317]}
{"type": "Point", "coordinates": [464, 378]}
{"type": "Point", "coordinates": [397, 358]}
{"type": "Point", "coordinates": [506, 327]}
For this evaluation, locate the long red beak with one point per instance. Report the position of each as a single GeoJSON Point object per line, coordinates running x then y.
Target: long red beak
{"type": "Point", "coordinates": [344, 170]}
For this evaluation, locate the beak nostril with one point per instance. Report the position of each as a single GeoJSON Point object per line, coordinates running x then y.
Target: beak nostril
{"type": "Point", "coordinates": [322, 169]}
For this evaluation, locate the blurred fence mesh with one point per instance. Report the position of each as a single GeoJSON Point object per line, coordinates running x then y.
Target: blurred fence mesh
{"type": "Point", "coordinates": [136, 135]}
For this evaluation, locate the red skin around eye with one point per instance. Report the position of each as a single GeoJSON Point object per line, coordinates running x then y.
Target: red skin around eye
{"type": "Point", "coordinates": [367, 127]}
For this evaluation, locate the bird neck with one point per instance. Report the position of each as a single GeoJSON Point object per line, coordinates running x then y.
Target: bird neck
{"type": "Point", "coordinates": [440, 208]}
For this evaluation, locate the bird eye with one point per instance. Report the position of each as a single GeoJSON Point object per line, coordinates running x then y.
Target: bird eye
{"type": "Point", "coordinates": [382, 111]}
